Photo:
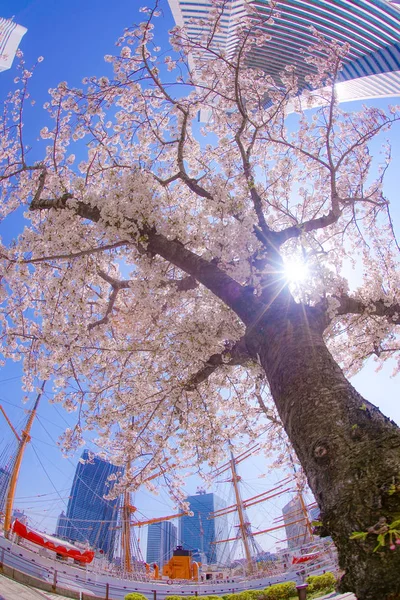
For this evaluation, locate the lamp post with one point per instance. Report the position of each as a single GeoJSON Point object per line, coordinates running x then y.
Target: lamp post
{"type": "Point", "coordinates": [302, 591]}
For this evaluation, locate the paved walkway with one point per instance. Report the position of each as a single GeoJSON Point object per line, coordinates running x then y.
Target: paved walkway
{"type": "Point", "coordinates": [12, 590]}
{"type": "Point", "coordinates": [335, 596]}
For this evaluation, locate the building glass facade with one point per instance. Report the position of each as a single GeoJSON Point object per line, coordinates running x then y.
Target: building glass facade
{"type": "Point", "coordinates": [161, 542]}
{"type": "Point", "coordinates": [4, 481]}
{"type": "Point", "coordinates": [61, 528]}
{"type": "Point", "coordinates": [89, 517]}
{"type": "Point", "coordinates": [297, 533]}
{"type": "Point", "coordinates": [371, 27]}
{"type": "Point", "coordinates": [198, 532]}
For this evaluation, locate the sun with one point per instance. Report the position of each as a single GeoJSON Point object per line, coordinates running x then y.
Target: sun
{"type": "Point", "coordinates": [295, 270]}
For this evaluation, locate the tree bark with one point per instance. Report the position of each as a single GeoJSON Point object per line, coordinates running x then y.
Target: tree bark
{"type": "Point", "coordinates": [349, 450]}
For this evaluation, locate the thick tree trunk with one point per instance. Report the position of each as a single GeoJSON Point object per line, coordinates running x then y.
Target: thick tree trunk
{"type": "Point", "coordinates": [350, 452]}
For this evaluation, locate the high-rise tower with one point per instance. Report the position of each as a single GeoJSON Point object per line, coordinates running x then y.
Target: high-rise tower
{"type": "Point", "coordinates": [198, 532]}
{"type": "Point", "coordinates": [10, 37]}
{"type": "Point", "coordinates": [89, 517]}
{"type": "Point", "coordinates": [161, 541]}
{"type": "Point", "coordinates": [371, 27]}
{"type": "Point", "coordinates": [4, 482]}
{"type": "Point", "coordinates": [297, 532]}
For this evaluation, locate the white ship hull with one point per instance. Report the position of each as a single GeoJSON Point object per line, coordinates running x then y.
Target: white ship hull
{"type": "Point", "coordinates": [89, 580]}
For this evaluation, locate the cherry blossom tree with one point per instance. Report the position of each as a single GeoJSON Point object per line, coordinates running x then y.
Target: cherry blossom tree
{"type": "Point", "coordinates": [149, 281]}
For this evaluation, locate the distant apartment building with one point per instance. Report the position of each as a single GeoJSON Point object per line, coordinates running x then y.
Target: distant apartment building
{"type": "Point", "coordinates": [161, 541]}
{"type": "Point", "coordinates": [198, 533]}
{"type": "Point", "coordinates": [297, 531]}
{"type": "Point", "coordinates": [371, 27]}
{"type": "Point", "coordinates": [89, 517]}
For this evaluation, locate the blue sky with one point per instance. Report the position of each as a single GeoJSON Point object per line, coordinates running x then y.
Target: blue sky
{"type": "Point", "coordinates": [73, 36]}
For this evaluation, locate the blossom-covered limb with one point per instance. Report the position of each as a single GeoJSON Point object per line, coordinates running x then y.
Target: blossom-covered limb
{"type": "Point", "coordinates": [234, 354]}
{"type": "Point", "coordinates": [116, 286]}
{"type": "Point", "coordinates": [205, 271]}
{"type": "Point", "coordinates": [193, 184]}
{"type": "Point", "coordinates": [381, 308]}
{"type": "Point", "coordinates": [295, 231]}
{"type": "Point", "coordinates": [71, 255]}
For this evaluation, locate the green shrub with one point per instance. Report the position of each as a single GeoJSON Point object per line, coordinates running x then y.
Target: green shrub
{"type": "Point", "coordinates": [173, 597]}
{"type": "Point", "coordinates": [317, 583]}
{"type": "Point", "coordinates": [255, 594]}
{"type": "Point", "coordinates": [135, 596]}
{"type": "Point", "coordinates": [245, 595]}
{"type": "Point", "coordinates": [280, 591]}
{"type": "Point", "coordinates": [231, 597]}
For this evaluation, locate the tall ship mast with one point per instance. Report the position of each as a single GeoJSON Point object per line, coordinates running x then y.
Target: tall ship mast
{"type": "Point", "coordinates": [299, 518]}
{"type": "Point", "coordinates": [23, 441]}
{"type": "Point", "coordinates": [244, 524]}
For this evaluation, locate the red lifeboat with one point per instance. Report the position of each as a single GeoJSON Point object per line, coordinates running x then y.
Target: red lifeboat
{"type": "Point", "coordinates": [52, 543]}
{"type": "Point", "coordinates": [297, 560]}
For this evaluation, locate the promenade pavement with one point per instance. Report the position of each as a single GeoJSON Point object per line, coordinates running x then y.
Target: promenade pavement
{"type": "Point", "coordinates": [335, 596]}
{"type": "Point", "coordinates": [12, 590]}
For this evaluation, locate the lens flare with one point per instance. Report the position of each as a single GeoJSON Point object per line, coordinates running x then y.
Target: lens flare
{"type": "Point", "coordinates": [295, 271]}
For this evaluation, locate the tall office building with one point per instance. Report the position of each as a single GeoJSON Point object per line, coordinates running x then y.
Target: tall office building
{"type": "Point", "coordinates": [61, 527]}
{"type": "Point", "coordinates": [198, 532]}
{"type": "Point", "coordinates": [161, 541]}
{"type": "Point", "coordinates": [89, 517]}
{"type": "Point", "coordinates": [4, 481]}
{"type": "Point", "coordinates": [10, 37]}
{"type": "Point", "coordinates": [371, 27]}
{"type": "Point", "coordinates": [297, 532]}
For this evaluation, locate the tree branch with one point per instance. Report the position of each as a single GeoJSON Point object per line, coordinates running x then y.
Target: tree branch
{"type": "Point", "coordinates": [191, 183]}
{"type": "Point", "coordinates": [295, 231]}
{"type": "Point", "coordinates": [206, 272]}
{"type": "Point", "coordinates": [75, 254]}
{"type": "Point", "coordinates": [235, 354]}
{"type": "Point", "coordinates": [182, 285]}
{"type": "Point", "coordinates": [116, 285]}
{"type": "Point", "coordinates": [349, 305]}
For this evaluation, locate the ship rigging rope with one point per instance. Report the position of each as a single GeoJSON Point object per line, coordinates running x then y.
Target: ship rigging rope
{"type": "Point", "coordinates": [71, 463]}
{"type": "Point", "coordinates": [48, 476]}
{"type": "Point", "coordinates": [33, 500]}
{"type": "Point", "coordinates": [19, 407]}
{"type": "Point", "coordinates": [10, 379]}
{"type": "Point", "coordinates": [55, 489]}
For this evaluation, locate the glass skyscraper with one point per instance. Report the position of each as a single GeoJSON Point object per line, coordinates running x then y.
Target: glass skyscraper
{"type": "Point", "coordinates": [371, 27]}
{"type": "Point", "coordinates": [198, 532]}
{"type": "Point", "coordinates": [297, 532]}
{"type": "Point", "coordinates": [62, 524]}
{"type": "Point", "coordinates": [161, 541]}
{"type": "Point", "coordinates": [89, 517]}
{"type": "Point", "coordinates": [4, 481]}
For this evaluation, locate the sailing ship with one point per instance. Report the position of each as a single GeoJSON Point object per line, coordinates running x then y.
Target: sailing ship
{"type": "Point", "coordinates": [76, 566]}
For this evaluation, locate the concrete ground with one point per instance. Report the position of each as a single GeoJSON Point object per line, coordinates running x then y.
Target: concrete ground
{"type": "Point", "coordinates": [335, 596]}
{"type": "Point", "coordinates": [12, 590]}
